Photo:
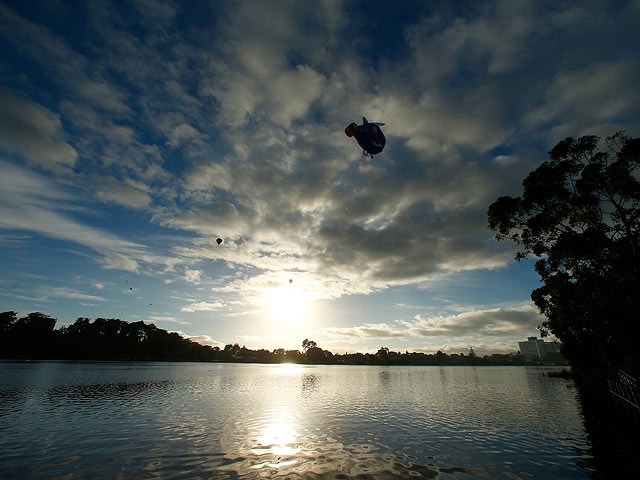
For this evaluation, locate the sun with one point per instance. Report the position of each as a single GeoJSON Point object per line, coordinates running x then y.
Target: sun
{"type": "Point", "coordinates": [288, 304]}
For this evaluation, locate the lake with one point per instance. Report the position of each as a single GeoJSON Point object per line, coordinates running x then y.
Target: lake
{"type": "Point", "coordinates": [211, 420]}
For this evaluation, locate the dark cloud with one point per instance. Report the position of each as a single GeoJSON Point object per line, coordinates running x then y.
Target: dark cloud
{"type": "Point", "coordinates": [34, 133]}
{"type": "Point", "coordinates": [496, 322]}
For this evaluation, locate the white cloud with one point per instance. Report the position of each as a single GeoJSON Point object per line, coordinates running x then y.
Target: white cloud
{"type": "Point", "coordinates": [168, 319]}
{"type": "Point", "coordinates": [367, 330]}
{"type": "Point", "coordinates": [202, 306]}
{"type": "Point", "coordinates": [128, 193]}
{"type": "Point", "coordinates": [203, 340]}
{"type": "Point", "coordinates": [31, 202]}
{"type": "Point", "coordinates": [192, 276]}
{"type": "Point", "coordinates": [118, 261]}
{"type": "Point", "coordinates": [63, 292]}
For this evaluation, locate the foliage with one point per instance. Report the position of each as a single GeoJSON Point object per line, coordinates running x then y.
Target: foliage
{"type": "Point", "coordinates": [34, 336]}
{"type": "Point", "coordinates": [579, 215]}
{"type": "Point", "coordinates": [307, 344]}
{"type": "Point", "coordinates": [114, 339]}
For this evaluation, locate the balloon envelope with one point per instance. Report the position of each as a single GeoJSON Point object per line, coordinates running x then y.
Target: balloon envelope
{"type": "Point", "coordinates": [368, 135]}
{"type": "Point", "coordinates": [219, 241]}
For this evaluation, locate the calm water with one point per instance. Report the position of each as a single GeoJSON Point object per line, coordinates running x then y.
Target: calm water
{"type": "Point", "coordinates": [184, 420]}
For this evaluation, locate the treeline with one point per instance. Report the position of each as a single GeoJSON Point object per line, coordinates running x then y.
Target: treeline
{"type": "Point", "coordinates": [316, 355]}
{"type": "Point", "coordinates": [35, 337]}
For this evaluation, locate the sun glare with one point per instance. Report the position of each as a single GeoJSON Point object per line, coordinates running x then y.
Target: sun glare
{"type": "Point", "coordinates": [288, 304]}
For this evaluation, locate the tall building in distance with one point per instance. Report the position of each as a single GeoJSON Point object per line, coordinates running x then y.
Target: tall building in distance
{"type": "Point", "coordinates": [537, 349]}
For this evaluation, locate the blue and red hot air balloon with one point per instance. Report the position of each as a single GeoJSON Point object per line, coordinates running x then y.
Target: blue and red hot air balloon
{"type": "Point", "coordinates": [368, 135]}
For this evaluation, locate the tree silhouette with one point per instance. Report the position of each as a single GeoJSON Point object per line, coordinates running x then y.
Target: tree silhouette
{"type": "Point", "coordinates": [307, 344]}
{"type": "Point", "coordinates": [7, 320]}
{"type": "Point", "coordinates": [579, 215]}
{"type": "Point", "coordinates": [34, 336]}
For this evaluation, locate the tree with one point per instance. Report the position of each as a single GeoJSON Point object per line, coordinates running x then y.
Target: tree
{"type": "Point", "coordinates": [35, 324]}
{"type": "Point", "coordinates": [579, 214]}
{"type": "Point", "coordinates": [7, 321]}
{"type": "Point", "coordinates": [307, 344]}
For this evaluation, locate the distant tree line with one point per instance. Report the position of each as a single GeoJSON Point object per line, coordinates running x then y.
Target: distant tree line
{"type": "Point", "coordinates": [35, 337]}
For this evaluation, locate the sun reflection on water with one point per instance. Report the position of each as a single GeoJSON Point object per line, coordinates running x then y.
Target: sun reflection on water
{"type": "Point", "coordinates": [288, 369]}
{"type": "Point", "coordinates": [278, 436]}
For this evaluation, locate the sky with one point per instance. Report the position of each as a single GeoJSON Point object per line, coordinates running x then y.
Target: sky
{"type": "Point", "coordinates": [134, 134]}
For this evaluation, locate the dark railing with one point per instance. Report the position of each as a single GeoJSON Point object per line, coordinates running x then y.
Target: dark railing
{"type": "Point", "coordinates": [624, 389]}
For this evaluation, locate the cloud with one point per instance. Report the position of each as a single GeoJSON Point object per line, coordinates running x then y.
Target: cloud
{"type": "Point", "coordinates": [192, 276]}
{"type": "Point", "coordinates": [184, 133]}
{"type": "Point", "coordinates": [34, 133]}
{"type": "Point", "coordinates": [203, 340]}
{"type": "Point", "coordinates": [168, 319]}
{"type": "Point", "coordinates": [128, 193]}
{"type": "Point", "coordinates": [495, 322]}
{"type": "Point", "coordinates": [32, 203]}
{"type": "Point", "coordinates": [118, 261]}
{"type": "Point", "coordinates": [103, 96]}
{"type": "Point", "coordinates": [62, 292]}
{"type": "Point", "coordinates": [202, 306]}
{"type": "Point", "coordinates": [256, 78]}
{"type": "Point", "coordinates": [367, 330]}
{"type": "Point", "coordinates": [582, 100]}
{"type": "Point", "coordinates": [251, 148]}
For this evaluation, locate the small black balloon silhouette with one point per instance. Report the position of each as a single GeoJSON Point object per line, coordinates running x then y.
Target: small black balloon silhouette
{"type": "Point", "coordinates": [130, 288]}
{"type": "Point", "coordinates": [219, 241]}
{"type": "Point", "coordinates": [290, 280]}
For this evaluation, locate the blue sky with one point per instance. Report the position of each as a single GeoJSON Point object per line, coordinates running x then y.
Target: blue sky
{"type": "Point", "coordinates": [133, 134]}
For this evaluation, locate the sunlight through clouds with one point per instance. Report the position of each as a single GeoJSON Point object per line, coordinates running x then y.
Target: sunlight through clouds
{"type": "Point", "coordinates": [288, 304]}
{"type": "Point", "coordinates": [131, 141]}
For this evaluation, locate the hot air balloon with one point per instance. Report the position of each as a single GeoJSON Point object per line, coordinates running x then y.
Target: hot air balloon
{"type": "Point", "coordinates": [368, 135]}
{"type": "Point", "coordinates": [218, 241]}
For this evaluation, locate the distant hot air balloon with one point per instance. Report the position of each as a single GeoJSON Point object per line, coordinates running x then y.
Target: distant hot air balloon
{"type": "Point", "coordinates": [130, 288]}
{"type": "Point", "coordinates": [219, 241]}
{"type": "Point", "coordinates": [291, 280]}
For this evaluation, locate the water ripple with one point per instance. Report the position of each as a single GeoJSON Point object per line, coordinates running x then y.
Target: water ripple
{"type": "Point", "coordinates": [259, 421]}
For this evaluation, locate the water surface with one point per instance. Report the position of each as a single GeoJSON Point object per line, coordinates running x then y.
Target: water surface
{"type": "Point", "coordinates": [203, 420]}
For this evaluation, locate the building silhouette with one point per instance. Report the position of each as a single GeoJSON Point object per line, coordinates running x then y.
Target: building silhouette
{"type": "Point", "coordinates": [537, 349]}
